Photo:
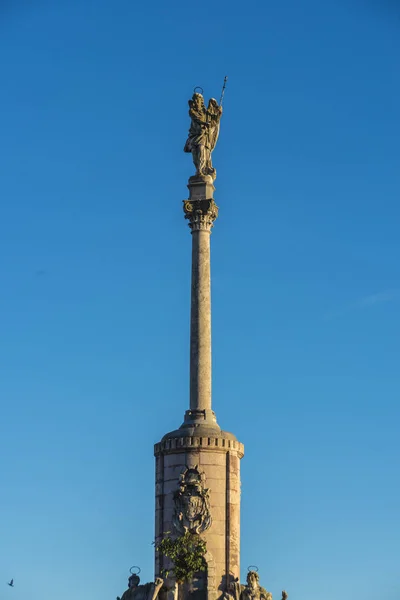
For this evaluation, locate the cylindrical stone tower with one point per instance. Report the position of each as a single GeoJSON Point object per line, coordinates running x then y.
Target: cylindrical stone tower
{"type": "Point", "coordinates": [198, 465]}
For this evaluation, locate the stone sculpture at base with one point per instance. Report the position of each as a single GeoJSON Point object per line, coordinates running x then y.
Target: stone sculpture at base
{"type": "Point", "coordinates": [148, 591]}
{"type": "Point", "coordinates": [251, 591]}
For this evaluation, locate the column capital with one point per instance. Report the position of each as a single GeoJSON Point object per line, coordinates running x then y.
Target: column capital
{"type": "Point", "coordinates": [200, 213]}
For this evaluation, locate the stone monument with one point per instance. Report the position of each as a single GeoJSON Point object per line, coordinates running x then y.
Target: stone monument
{"type": "Point", "coordinates": [198, 464]}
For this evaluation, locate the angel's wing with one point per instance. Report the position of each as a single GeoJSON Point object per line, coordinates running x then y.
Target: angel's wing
{"type": "Point", "coordinates": [214, 116]}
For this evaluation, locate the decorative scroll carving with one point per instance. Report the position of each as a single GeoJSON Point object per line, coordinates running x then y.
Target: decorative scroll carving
{"type": "Point", "coordinates": [200, 213]}
{"type": "Point", "coordinates": [148, 591]}
{"type": "Point", "coordinates": [192, 504]}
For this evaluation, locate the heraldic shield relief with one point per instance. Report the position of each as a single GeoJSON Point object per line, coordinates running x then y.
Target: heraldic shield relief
{"type": "Point", "coordinates": [192, 504]}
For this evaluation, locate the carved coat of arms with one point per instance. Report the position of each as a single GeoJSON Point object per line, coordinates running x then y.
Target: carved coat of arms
{"type": "Point", "coordinates": [192, 504]}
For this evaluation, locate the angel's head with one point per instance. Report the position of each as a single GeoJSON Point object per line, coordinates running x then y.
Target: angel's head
{"type": "Point", "coordinates": [214, 108]}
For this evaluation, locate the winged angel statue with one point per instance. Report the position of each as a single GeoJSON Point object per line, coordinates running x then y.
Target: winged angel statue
{"type": "Point", "coordinates": [203, 134]}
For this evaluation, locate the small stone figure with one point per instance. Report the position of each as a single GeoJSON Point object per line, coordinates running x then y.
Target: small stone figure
{"type": "Point", "coordinates": [251, 591]}
{"type": "Point", "coordinates": [284, 595]}
{"type": "Point", "coordinates": [148, 591]}
{"type": "Point", "coordinates": [203, 134]}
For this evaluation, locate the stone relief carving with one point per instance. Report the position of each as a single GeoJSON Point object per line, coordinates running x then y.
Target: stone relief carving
{"type": "Point", "coordinates": [192, 503]}
{"type": "Point", "coordinates": [148, 591]}
{"type": "Point", "coordinates": [251, 591]}
{"type": "Point", "coordinates": [200, 213]}
{"type": "Point", "coordinates": [203, 134]}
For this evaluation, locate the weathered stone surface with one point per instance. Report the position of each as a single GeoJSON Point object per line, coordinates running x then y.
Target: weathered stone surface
{"type": "Point", "coordinates": [213, 459]}
{"type": "Point", "coordinates": [201, 190]}
{"type": "Point", "coordinates": [220, 463]}
{"type": "Point", "coordinates": [172, 460]}
{"type": "Point", "coordinates": [219, 514]}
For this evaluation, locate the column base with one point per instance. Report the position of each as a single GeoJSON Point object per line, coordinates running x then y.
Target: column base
{"type": "Point", "coordinates": [197, 416]}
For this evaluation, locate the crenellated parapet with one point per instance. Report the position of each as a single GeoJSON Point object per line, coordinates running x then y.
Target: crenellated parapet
{"type": "Point", "coordinates": [212, 444]}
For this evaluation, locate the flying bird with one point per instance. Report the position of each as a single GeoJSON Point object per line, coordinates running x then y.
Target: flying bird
{"type": "Point", "coordinates": [11, 583]}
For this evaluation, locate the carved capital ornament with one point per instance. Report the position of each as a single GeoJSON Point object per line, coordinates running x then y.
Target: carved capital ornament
{"type": "Point", "coordinates": [201, 214]}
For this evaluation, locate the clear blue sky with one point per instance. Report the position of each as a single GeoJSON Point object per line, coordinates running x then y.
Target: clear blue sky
{"type": "Point", "coordinates": [95, 283]}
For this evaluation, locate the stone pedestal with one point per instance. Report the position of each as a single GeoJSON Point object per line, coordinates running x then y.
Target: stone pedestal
{"type": "Point", "coordinates": [201, 188]}
{"type": "Point", "coordinates": [217, 458]}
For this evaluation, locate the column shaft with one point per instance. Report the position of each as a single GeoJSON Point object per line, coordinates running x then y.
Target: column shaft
{"type": "Point", "coordinates": [200, 322]}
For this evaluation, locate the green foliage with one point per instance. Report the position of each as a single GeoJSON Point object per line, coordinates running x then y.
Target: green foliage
{"type": "Point", "coordinates": [187, 554]}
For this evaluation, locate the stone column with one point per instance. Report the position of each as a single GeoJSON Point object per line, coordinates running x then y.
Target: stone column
{"type": "Point", "coordinates": [201, 215]}
{"type": "Point", "coordinates": [200, 318]}
{"type": "Point", "coordinates": [199, 444]}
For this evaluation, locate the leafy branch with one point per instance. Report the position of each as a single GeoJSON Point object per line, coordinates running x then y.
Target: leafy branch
{"type": "Point", "coordinates": [187, 553]}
